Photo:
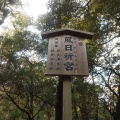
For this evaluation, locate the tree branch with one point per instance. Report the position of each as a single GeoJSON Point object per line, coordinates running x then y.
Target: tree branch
{"type": "Point", "coordinates": [12, 100]}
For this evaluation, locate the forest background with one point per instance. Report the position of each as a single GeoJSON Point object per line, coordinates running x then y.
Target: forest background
{"type": "Point", "coordinates": [26, 93]}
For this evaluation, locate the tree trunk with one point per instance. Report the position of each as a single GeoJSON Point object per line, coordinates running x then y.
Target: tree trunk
{"type": "Point", "coordinates": [31, 94]}
{"type": "Point", "coordinates": [117, 113]}
{"type": "Point", "coordinates": [96, 114]}
{"type": "Point", "coordinates": [83, 113]}
{"type": "Point", "coordinates": [29, 118]}
{"type": "Point", "coordinates": [48, 115]}
{"type": "Point", "coordinates": [83, 108]}
{"type": "Point", "coordinates": [76, 113]}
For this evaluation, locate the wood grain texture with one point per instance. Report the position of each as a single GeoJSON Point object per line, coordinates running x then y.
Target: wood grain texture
{"type": "Point", "coordinates": [67, 56]}
{"type": "Point", "coordinates": [67, 102]}
{"type": "Point", "coordinates": [68, 31]}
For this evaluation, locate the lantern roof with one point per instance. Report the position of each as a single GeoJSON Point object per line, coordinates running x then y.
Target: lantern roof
{"type": "Point", "coordinates": [67, 31]}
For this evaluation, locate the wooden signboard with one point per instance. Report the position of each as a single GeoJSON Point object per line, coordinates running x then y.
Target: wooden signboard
{"type": "Point", "coordinates": [67, 53]}
{"type": "Point", "coordinates": [67, 57]}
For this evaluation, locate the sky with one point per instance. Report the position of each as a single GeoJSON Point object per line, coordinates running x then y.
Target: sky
{"type": "Point", "coordinates": [32, 7]}
{"type": "Point", "coordinates": [35, 7]}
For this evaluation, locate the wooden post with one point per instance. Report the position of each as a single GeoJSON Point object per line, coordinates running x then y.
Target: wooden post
{"type": "Point", "coordinates": [67, 102]}
{"type": "Point", "coordinates": [66, 57]}
{"type": "Point", "coordinates": [59, 100]}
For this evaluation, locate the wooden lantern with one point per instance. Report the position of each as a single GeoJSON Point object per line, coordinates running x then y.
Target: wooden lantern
{"type": "Point", "coordinates": [67, 52]}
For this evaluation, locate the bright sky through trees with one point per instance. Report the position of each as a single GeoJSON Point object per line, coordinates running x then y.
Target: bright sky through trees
{"type": "Point", "coordinates": [35, 7]}
{"type": "Point", "coordinates": [31, 7]}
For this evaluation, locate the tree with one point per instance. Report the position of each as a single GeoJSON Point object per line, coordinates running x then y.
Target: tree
{"type": "Point", "coordinates": [61, 15]}
{"type": "Point", "coordinates": [105, 60]}
{"type": "Point", "coordinates": [23, 83]}
{"type": "Point", "coordinates": [107, 16]}
{"type": "Point", "coordinates": [102, 18]}
{"type": "Point", "coordinates": [5, 8]}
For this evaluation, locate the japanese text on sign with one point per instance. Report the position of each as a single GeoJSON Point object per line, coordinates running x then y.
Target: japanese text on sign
{"type": "Point", "coordinates": [66, 55]}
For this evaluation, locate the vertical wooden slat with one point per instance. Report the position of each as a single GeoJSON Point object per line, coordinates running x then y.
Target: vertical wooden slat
{"type": "Point", "coordinates": [67, 102]}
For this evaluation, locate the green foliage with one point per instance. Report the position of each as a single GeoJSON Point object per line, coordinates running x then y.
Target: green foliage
{"type": "Point", "coordinates": [102, 18]}
{"type": "Point", "coordinates": [25, 89]}
{"type": "Point", "coordinates": [5, 8]}
{"type": "Point", "coordinates": [59, 15]}
{"type": "Point", "coordinates": [22, 75]}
